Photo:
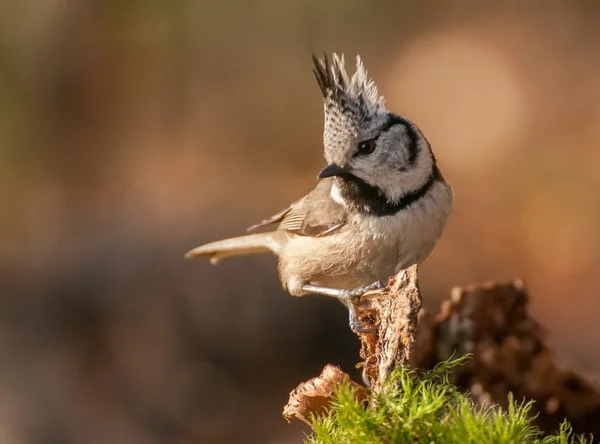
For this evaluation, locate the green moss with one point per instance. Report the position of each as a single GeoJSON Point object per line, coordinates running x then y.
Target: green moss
{"type": "Point", "coordinates": [423, 407]}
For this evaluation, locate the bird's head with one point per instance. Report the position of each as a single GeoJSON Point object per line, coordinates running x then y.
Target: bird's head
{"type": "Point", "coordinates": [367, 146]}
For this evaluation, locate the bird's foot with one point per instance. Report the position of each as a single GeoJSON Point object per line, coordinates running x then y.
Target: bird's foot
{"type": "Point", "coordinates": [351, 299]}
{"type": "Point", "coordinates": [356, 293]}
{"type": "Point", "coordinates": [358, 326]}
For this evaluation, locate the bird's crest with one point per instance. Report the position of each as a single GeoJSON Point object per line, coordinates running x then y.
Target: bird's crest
{"type": "Point", "coordinates": [356, 96]}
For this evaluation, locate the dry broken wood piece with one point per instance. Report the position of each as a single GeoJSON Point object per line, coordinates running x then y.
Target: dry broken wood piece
{"type": "Point", "coordinates": [315, 396]}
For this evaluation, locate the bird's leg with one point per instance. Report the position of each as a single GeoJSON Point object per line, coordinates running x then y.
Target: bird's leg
{"type": "Point", "coordinates": [349, 298]}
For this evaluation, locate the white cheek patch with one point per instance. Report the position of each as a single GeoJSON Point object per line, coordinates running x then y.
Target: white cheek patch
{"type": "Point", "coordinates": [398, 185]}
{"type": "Point", "coordinates": [336, 195]}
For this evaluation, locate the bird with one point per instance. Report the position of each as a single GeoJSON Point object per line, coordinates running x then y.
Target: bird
{"type": "Point", "coordinates": [380, 205]}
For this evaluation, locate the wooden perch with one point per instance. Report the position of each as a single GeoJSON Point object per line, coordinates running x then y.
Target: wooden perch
{"type": "Point", "coordinates": [489, 321]}
{"type": "Point", "coordinates": [393, 310]}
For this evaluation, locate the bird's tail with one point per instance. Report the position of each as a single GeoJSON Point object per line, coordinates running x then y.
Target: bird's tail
{"type": "Point", "coordinates": [238, 246]}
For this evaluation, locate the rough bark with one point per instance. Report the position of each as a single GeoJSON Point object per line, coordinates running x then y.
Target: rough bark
{"type": "Point", "coordinates": [394, 312]}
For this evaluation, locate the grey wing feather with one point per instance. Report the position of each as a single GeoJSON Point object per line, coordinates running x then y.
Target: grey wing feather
{"type": "Point", "coordinates": [272, 220]}
{"type": "Point", "coordinates": [293, 220]}
{"type": "Point", "coordinates": [316, 214]}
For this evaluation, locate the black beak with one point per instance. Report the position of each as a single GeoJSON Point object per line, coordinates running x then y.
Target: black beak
{"type": "Point", "coordinates": [331, 170]}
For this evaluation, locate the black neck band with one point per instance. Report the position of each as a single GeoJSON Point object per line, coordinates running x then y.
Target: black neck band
{"type": "Point", "coordinates": [370, 200]}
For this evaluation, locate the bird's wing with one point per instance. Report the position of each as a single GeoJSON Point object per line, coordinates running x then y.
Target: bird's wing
{"type": "Point", "coordinates": [316, 214]}
{"type": "Point", "coordinates": [273, 219]}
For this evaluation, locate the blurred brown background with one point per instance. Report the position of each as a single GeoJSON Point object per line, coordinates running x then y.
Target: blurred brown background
{"type": "Point", "coordinates": [133, 131]}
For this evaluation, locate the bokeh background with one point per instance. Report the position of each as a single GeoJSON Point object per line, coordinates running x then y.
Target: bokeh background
{"type": "Point", "coordinates": [131, 132]}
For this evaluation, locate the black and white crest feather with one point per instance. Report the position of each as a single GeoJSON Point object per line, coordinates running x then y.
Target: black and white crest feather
{"type": "Point", "coordinates": [351, 104]}
{"type": "Point", "coordinates": [356, 96]}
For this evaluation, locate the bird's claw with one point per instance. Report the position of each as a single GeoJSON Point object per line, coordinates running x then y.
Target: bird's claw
{"type": "Point", "coordinates": [352, 299]}
{"type": "Point", "coordinates": [358, 326]}
{"type": "Point", "coordinates": [377, 285]}
{"type": "Point", "coordinates": [355, 294]}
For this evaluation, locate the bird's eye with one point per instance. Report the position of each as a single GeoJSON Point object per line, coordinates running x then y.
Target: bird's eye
{"type": "Point", "coordinates": [366, 147]}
